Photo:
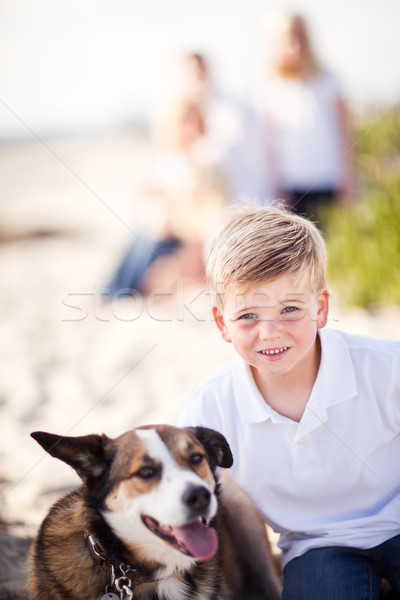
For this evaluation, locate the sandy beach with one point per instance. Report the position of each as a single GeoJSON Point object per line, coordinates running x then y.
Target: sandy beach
{"type": "Point", "coordinates": [71, 364]}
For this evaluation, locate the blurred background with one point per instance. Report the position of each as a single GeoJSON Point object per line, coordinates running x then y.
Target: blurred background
{"type": "Point", "coordinates": [89, 66]}
{"type": "Point", "coordinates": [92, 164]}
{"type": "Point", "coordinates": [81, 81]}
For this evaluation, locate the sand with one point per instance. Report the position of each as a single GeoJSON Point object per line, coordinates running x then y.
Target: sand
{"type": "Point", "coordinates": [69, 363]}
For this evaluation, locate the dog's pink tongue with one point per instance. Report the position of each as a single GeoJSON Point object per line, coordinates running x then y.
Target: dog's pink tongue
{"type": "Point", "coordinates": [199, 540]}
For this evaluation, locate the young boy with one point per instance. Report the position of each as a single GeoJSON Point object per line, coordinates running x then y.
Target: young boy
{"type": "Point", "coordinates": [312, 415]}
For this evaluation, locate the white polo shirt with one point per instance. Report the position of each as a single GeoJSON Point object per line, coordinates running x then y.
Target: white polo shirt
{"type": "Point", "coordinates": [333, 479]}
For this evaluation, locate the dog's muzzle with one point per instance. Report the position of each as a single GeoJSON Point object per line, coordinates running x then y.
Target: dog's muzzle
{"type": "Point", "coordinates": [195, 538]}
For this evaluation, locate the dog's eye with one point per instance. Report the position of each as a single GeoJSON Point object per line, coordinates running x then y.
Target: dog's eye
{"type": "Point", "coordinates": [145, 472]}
{"type": "Point", "coordinates": [196, 459]}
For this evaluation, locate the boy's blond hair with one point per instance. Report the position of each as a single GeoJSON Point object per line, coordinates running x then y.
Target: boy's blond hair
{"type": "Point", "coordinates": [259, 245]}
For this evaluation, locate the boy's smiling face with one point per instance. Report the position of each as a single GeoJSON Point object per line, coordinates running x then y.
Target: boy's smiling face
{"type": "Point", "coordinates": [273, 326]}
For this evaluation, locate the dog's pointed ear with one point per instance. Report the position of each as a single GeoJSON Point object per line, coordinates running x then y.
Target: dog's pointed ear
{"type": "Point", "coordinates": [215, 444]}
{"type": "Point", "coordinates": [88, 454]}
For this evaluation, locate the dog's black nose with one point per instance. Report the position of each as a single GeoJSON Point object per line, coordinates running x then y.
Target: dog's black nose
{"type": "Point", "coordinates": [197, 497]}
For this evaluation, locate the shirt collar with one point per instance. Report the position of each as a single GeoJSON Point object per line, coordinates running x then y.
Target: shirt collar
{"type": "Point", "coordinates": [250, 404]}
{"type": "Point", "coordinates": [336, 380]}
{"type": "Point", "coordinates": [335, 383]}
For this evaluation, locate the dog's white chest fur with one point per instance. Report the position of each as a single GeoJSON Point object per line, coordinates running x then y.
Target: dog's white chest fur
{"type": "Point", "coordinates": [172, 589]}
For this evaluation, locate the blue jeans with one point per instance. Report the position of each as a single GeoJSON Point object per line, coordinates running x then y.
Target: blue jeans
{"type": "Point", "coordinates": [139, 257]}
{"type": "Point", "coordinates": [338, 573]}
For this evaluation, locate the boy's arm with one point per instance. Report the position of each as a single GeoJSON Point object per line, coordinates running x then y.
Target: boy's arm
{"type": "Point", "coordinates": [188, 415]}
{"type": "Point", "coordinates": [194, 412]}
{"type": "Point", "coordinates": [202, 407]}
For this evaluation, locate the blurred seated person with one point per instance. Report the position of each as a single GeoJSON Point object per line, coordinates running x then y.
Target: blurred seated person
{"type": "Point", "coordinates": [178, 210]}
{"type": "Point", "coordinates": [233, 140]}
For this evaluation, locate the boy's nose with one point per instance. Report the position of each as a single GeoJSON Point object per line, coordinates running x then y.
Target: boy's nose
{"type": "Point", "coordinates": [269, 329]}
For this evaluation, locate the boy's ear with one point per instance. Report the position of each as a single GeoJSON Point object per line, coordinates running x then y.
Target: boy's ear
{"type": "Point", "coordinates": [220, 321]}
{"type": "Point", "coordinates": [323, 308]}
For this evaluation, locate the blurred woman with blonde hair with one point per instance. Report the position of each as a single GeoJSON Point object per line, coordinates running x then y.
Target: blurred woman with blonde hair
{"type": "Point", "coordinates": [304, 112]}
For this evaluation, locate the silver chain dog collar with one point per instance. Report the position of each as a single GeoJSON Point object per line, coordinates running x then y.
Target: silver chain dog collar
{"type": "Point", "coordinates": [117, 588]}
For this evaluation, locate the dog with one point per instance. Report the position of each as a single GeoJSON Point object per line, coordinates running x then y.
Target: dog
{"type": "Point", "coordinates": [149, 522]}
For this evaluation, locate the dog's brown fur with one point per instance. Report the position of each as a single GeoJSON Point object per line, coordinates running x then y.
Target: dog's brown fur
{"type": "Point", "coordinates": [62, 566]}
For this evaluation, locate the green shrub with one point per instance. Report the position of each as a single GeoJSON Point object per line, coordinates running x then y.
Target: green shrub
{"type": "Point", "coordinates": [364, 241]}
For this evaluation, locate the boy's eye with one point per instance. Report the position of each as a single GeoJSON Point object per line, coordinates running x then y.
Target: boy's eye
{"type": "Point", "coordinates": [248, 316]}
{"type": "Point", "coordinates": [289, 309]}
{"type": "Point", "coordinates": [292, 312]}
